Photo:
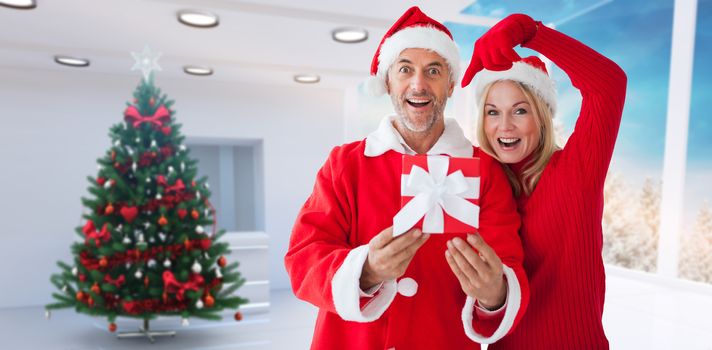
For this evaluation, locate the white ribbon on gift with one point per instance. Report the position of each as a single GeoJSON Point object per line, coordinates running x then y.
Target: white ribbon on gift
{"type": "Point", "coordinates": [435, 192]}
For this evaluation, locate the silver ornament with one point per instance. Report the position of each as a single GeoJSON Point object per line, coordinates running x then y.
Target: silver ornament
{"type": "Point", "coordinates": [218, 274]}
{"type": "Point", "coordinates": [75, 271]}
{"type": "Point", "coordinates": [196, 267]}
{"type": "Point", "coordinates": [182, 147]}
{"type": "Point", "coordinates": [199, 304]}
{"type": "Point", "coordinates": [167, 263]}
{"type": "Point", "coordinates": [199, 229]}
{"type": "Point", "coordinates": [138, 274]}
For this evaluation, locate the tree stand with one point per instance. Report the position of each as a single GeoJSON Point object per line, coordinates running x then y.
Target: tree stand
{"type": "Point", "coordinates": [146, 332]}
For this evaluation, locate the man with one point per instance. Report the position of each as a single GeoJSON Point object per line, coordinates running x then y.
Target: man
{"type": "Point", "coordinates": [414, 291]}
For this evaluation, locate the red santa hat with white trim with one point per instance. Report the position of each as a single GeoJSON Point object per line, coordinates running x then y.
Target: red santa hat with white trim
{"type": "Point", "coordinates": [530, 71]}
{"type": "Point", "coordinates": [413, 30]}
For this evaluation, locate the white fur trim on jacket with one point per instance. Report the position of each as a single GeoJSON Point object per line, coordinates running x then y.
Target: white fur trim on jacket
{"type": "Point", "coordinates": [417, 37]}
{"type": "Point", "coordinates": [346, 290]}
{"type": "Point", "coordinates": [514, 299]}
{"type": "Point", "coordinates": [524, 73]}
{"type": "Point", "coordinates": [452, 142]}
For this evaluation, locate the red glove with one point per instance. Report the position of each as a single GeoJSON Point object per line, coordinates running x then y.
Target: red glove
{"type": "Point", "coordinates": [495, 49]}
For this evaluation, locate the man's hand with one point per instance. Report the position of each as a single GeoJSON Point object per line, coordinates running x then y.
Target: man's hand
{"type": "Point", "coordinates": [481, 275]}
{"type": "Point", "coordinates": [389, 257]}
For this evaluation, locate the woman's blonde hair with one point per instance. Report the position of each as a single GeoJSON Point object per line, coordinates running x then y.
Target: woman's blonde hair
{"type": "Point", "coordinates": [542, 153]}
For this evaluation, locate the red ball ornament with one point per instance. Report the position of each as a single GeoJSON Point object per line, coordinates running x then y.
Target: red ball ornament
{"type": "Point", "coordinates": [195, 214]}
{"type": "Point", "coordinates": [112, 327]}
{"type": "Point", "coordinates": [209, 301]}
{"type": "Point", "coordinates": [80, 295]}
{"type": "Point", "coordinates": [100, 181]}
{"type": "Point", "coordinates": [182, 213]}
{"type": "Point", "coordinates": [187, 245]}
{"type": "Point", "coordinates": [90, 301]}
{"type": "Point", "coordinates": [166, 130]}
{"type": "Point", "coordinates": [95, 288]}
{"type": "Point", "coordinates": [109, 209]}
{"type": "Point", "coordinates": [222, 261]}
{"type": "Point", "coordinates": [117, 165]}
{"type": "Point", "coordinates": [238, 316]}
{"type": "Point", "coordinates": [103, 262]}
{"type": "Point", "coordinates": [82, 277]}
{"type": "Point", "coordinates": [162, 221]}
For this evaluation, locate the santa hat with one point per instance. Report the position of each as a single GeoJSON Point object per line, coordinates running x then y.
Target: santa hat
{"type": "Point", "coordinates": [530, 71]}
{"type": "Point", "coordinates": [413, 30]}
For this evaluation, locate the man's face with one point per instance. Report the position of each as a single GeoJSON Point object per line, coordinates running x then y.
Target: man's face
{"type": "Point", "coordinates": [419, 85]}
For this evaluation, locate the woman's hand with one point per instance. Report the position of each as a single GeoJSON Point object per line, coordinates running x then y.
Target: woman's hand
{"type": "Point", "coordinates": [479, 270]}
{"type": "Point", "coordinates": [495, 49]}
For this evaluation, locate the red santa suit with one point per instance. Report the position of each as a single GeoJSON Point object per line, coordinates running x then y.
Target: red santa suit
{"type": "Point", "coordinates": [356, 195]}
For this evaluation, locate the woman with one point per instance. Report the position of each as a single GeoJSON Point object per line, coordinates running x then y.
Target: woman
{"type": "Point", "coordinates": [559, 191]}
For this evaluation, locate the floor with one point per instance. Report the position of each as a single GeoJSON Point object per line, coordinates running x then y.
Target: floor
{"type": "Point", "coordinates": [642, 312]}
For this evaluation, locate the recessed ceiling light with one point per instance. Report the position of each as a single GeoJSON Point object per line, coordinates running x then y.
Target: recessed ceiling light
{"type": "Point", "coordinates": [349, 35]}
{"type": "Point", "coordinates": [199, 19]}
{"type": "Point", "coordinates": [19, 4]}
{"type": "Point", "coordinates": [71, 61]}
{"type": "Point", "coordinates": [307, 78]}
{"type": "Point", "coordinates": [197, 70]}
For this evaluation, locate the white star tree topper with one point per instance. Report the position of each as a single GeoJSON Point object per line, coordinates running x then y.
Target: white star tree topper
{"type": "Point", "coordinates": [146, 61]}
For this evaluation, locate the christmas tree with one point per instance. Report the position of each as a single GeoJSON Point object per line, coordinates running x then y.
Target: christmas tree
{"type": "Point", "coordinates": [149, 246]}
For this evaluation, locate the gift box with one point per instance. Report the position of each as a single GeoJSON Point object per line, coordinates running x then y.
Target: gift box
{"type": "Point", "coordinates": [439, 194]}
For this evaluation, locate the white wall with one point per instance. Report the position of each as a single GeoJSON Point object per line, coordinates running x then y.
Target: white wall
{"type": "Point", "coordinates": [54, 125]}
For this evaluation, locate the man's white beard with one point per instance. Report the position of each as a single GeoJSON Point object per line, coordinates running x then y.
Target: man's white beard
{"type": "Point", "coordinates": [438, 110]}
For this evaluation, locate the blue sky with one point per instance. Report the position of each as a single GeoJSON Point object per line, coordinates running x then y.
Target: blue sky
{"type": "Point", "coordinates": [636, 34]}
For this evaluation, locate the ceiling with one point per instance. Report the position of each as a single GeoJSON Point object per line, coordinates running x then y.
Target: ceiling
{"type": "Point", "coordinates": [266, 42]}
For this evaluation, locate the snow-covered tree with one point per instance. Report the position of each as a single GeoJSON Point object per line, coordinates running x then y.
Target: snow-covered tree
{"type": "Point", "coordinates": [696, 252]}
{"type": "Point", "coordinates": [630, 224]}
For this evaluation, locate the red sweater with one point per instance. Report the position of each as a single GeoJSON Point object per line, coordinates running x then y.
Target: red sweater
{"type": "Point", "coordinates": [355, 197]}
{"type": "Point", "coordinates": [561, 220]}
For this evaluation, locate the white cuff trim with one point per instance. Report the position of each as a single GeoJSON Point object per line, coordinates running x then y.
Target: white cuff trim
{"type": "Point", "coordinates": [514, 296]}
{"type": "Point", "coordinates": [346, 290]}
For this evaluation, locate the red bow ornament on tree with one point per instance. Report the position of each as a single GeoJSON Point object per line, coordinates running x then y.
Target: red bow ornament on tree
{"type": "Point", "coordinates": [177, 186]}
{"type": "Point", "coordinates": [116, 282]}
{"type": "Point", "coordinates": [91, 233]}
{"type": "Point", "coordinates": [133, 116]}
{"type": "Point", "coordinates": [171, 285]}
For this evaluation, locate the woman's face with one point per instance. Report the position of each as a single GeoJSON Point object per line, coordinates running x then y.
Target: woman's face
{"type": "Point", "coordinates": [510, 122]}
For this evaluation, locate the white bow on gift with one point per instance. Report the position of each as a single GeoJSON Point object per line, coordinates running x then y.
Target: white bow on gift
{"type": "Point", "coordinates": [435, 192]}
